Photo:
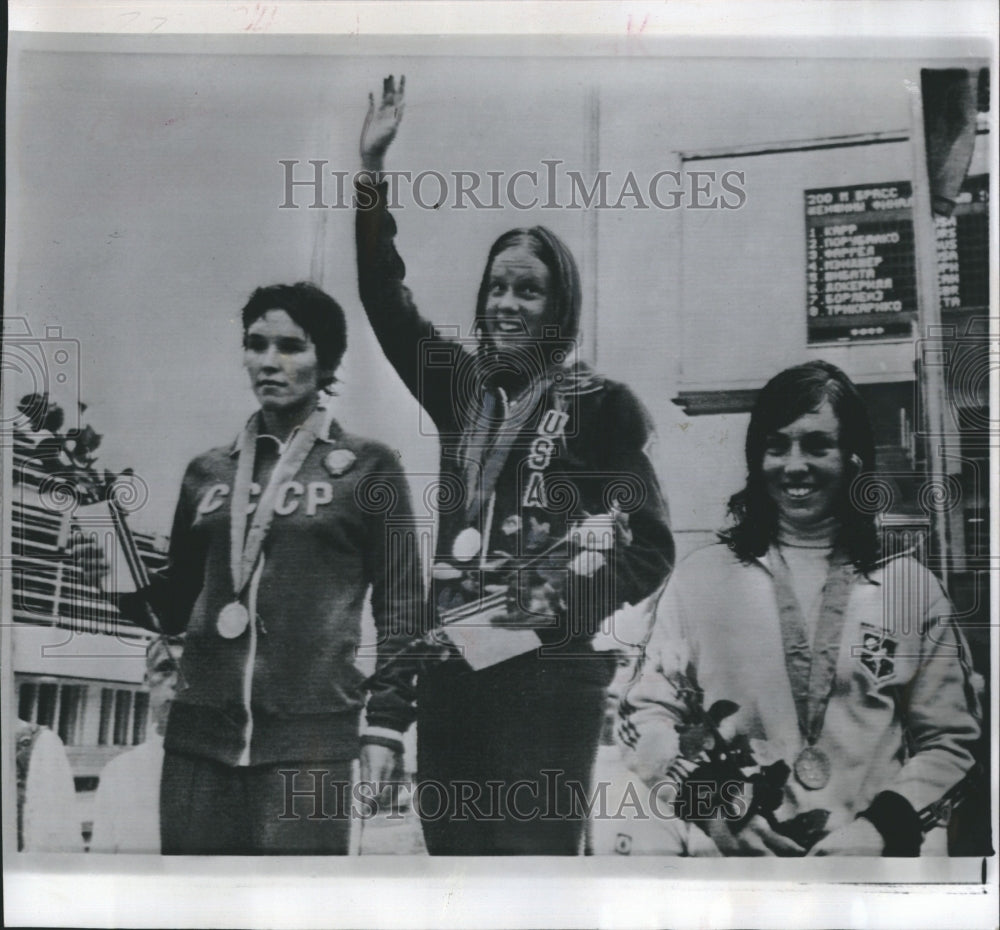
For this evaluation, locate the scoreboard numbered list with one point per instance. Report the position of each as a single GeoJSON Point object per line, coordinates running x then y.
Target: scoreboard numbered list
{"type": "Point", "coordinates": [860, 264]}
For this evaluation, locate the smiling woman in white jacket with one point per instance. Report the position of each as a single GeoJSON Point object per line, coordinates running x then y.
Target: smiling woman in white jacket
{"type": "Point", "coordinates": [842, 664]}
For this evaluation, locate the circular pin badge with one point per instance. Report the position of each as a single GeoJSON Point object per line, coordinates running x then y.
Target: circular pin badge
{"type": "Point", "coordinates": [339, 461]}
{"type": "Point", "coordinates": [233, 619]}
{"type": "Point", "coordinates": [812, 768]}
{"type": "Point", "coordinates": [467, 544]}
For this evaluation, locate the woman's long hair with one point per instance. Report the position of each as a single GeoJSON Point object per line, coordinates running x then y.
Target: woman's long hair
{"type": "Point", "coordinates": [564, 280]}
{"type": "Point", "coordinates": [786, 397]}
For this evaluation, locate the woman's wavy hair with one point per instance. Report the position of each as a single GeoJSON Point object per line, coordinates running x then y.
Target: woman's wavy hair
{"type": "Point", "coordinates": [311, 308]}
{"type": "Point", "coordinates": [564, 277]}
{"type": "Point", "coordinates": [786, 397]}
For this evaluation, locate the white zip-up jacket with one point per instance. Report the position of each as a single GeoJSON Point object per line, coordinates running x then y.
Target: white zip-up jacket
{"type": "Point", "coordinates": [903, 713]}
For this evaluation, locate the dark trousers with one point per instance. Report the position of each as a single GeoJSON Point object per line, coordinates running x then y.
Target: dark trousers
{"type": "Point", "coordinates": [292, 808]}
{"type": "Point", "coordinates": [505, 755]}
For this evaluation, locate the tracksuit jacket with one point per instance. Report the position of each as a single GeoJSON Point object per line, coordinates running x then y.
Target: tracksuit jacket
{"type": "Point", "coordinates": [289, 688]}
{"type": "Point", "coordinates": [579, 445]}
{"type": "Point", "coordinates": [519, 472]}
{"type": "Point", "coordinates": [902, 716]}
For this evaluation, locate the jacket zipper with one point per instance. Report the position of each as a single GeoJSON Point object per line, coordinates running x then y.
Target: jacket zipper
{"type": "Point", "coordinates": [251, 661]}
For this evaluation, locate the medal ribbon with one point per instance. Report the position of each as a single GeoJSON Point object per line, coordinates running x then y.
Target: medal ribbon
{"type": "Point", "coordinates": [244, 547]}
{"type": "Point", "coordinates": [493, 439]}
{"type": "Point", "coordinates": [483, 439]}
{"type": "Point", "coordinates": [812, 671]}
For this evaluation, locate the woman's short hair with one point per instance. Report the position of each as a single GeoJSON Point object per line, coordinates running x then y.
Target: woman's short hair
{"type": "Point", "coordinates": [314, 310]}
{"type": "Point", "coordinates": [564, 275]}
{"type": "Point", "coordinates": [786, 397]}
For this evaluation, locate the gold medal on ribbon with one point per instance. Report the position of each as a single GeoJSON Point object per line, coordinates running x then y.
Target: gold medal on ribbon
{"type": "Point", "coordinates": [233, 619]}
{"type": "Point", "coordinates": [812, 768]}
{"type": "Point", "coordinates": [467, 544]}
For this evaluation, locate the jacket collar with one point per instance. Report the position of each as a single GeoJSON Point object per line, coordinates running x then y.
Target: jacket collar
{"type": "Point", "coordinates": [330, 432]}
{"type": "Point", "coordinates": [764, 561]}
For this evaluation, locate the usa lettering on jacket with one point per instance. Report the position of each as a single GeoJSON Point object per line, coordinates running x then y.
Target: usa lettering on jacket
{"type": "Point", "coordinates": [290, 496]}
{"type": "Point", "coordinates": [543, 447]}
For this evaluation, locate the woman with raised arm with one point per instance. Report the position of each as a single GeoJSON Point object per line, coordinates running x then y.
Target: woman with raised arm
{"type": "Point", "coordinates": [276, 540]}
{"type": "Point", "coordinates": [540, 457]}
{"type": "Point", "coordinates": [816, 694]}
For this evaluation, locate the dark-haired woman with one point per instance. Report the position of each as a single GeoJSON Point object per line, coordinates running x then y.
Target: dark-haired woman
{"type": "Point", "coordinates": [276, 539]}
{"type": "Point", "coordinates": [532, 444]}
{"type": "Point", "coordinates": [844, 666]}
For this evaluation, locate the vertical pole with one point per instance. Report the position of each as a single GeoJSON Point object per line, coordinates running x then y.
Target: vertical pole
{"type": "Point", "coordinates": [932, 386]}
{"type": "Point", "coordinates": [130, 719]}
{"type": "Point", "coordinates": [57, 709]}
{"type": "Point", "coordinates": [591, 252]}
{"type": "Point", "coordinates": [321, 222]}
{"type": "Point", "coordinates": [317, 261]}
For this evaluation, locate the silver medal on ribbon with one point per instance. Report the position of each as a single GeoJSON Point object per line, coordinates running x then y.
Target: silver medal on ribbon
{"type": "Point", "coordinates": [233, 619]}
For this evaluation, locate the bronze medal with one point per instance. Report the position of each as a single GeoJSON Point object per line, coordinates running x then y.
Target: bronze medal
{"type": "Point", "coordinates": [233, 619]}
{"type": "Point", "coordinates": [812, 768]}
{"type": "Point", "coordinates": [812, 667]}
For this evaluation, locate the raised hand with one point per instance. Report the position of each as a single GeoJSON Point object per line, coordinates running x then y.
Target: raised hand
{"type": "Point", "coordinates": [381, 123]}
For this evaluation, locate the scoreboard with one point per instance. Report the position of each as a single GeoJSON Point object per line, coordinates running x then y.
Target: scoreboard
{"type": "Point", "coordinates": [860, 263]}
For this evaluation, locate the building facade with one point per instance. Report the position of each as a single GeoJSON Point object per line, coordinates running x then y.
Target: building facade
{"type": "Point", "coordinates": [78, 666]}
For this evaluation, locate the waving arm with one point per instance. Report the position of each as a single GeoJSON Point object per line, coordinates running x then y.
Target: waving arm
{"type": "Point", "coordinates": [382, 124]}
{"type": "Point", "coordinates": [425, 361]}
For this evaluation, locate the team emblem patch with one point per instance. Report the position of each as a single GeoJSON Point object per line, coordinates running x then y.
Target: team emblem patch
{"type": "Point", "coordinates": [878, 653]}
{"type": "Point", "coordinates": [339, 461]}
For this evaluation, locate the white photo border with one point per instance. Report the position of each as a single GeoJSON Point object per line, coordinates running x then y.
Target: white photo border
{"type": "Point", "coordinates": [96, 891]}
